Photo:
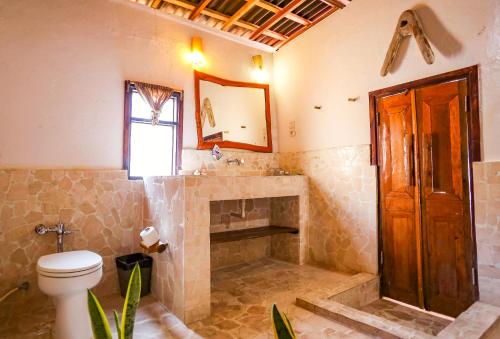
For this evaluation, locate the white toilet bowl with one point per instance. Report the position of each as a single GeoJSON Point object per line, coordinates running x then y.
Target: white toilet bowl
{"type": "Point", "coordinates": [66, 276]}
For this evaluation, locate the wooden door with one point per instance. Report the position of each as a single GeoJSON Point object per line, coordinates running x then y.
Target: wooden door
{"type": "Point", "coordinates": [446, 210]}
{"type": "Point", "coordinates": [397, 199]}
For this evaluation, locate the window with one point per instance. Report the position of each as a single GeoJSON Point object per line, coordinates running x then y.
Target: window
{"type": "Point", "coordinates": [151, 150]}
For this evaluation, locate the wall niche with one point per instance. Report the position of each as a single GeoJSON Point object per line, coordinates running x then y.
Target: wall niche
{"type": "Point", "coordinates": [268, 229]}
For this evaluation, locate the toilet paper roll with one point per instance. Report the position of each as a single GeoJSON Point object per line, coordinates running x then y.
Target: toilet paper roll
{"type": "Point", "coordinates": [149, 236]}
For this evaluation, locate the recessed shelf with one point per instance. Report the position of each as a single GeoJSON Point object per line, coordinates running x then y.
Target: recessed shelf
{"type": "Point", "coordinates": [250, 233]}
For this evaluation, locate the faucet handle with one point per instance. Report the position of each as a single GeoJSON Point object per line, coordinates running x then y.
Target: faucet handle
{"type": "Point", "coordinates": [41, 229]}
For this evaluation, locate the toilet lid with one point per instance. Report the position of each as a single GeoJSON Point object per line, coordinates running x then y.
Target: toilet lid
{"type": "Point", "coordinates": [67, 262]}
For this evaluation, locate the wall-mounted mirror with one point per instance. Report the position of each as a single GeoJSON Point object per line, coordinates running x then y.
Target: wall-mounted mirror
{"type": "Point", "coordinates": [232, 114]}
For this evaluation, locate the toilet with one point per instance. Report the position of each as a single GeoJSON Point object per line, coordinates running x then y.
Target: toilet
{"type": "Point", "coordinates": [65, 277]}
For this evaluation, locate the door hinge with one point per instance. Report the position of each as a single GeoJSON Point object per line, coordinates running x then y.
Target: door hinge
{"type": "Point", "coordinates": [466, 103]}
{"type": "Point", "coordinates": [377, 117]}
{"type": "Point", "coordinates": [381, 257]}
{"type": "Point", "coordinates": [473, 276]}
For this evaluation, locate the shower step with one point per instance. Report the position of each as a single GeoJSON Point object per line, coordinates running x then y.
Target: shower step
{"type": "Point", "coordinates": [340, 303]}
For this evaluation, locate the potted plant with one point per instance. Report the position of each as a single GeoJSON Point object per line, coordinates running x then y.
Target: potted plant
{"type": "Point", "coordinates": [125, 327]}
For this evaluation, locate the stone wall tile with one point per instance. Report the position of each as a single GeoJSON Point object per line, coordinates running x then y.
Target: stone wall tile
{"type": "Point", "coordinates": [343, 228]}
{"type": "Point", "coordinates": [76, 198]}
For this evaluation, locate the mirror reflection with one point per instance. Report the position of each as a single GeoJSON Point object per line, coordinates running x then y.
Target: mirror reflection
{"type": "Point", "coordinates": [232, 114]}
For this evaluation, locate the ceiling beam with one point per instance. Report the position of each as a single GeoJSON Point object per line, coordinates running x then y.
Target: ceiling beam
{"type": "Point", "coordinates": [275, 9]}
{"type": "Point", "coordinates": [239, 13]}
{"type": "Point", "coordinates": [222, 17]}
{"type": "Point", "coordinates": [305, 28]}
{"type": "Point", "coordinates": [198, 9]}
{"type": "Point", "coordinates": [156, 4]}
{"type": "Point", "coordinates": [333, 3]}
{"type": "Point", "coordinates": [277, 16]}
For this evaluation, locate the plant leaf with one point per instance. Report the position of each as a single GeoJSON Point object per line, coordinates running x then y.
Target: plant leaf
{"type": "Point", "coordinates": [282, 330]}
{"type": "Point", "coordinates": [289, 326]}
{"type": "Point", "coordinates": [100, 325]}
{"type": "Point", "coordinates": [117, 324]}
{"type": "Point", "coordinates": [131, 302]}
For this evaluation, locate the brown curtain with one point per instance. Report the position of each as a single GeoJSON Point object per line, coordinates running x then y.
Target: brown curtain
{"type": "Point", "coordinates": [156, 96]}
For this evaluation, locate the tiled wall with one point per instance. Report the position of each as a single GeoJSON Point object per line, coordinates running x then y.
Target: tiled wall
{"type": "Point", "coordinates": [258, 214]}
{"type": "Point", "coordinates": [255, 163]}
{"type": "Point", "coordinates": [487, 213]}
{"type": "Point", "coordinates": [223, 214]}
{"type": "Point", "coordinates": [343, 204]}
{"type": "Point", "coordinates": [285, 212]}
{"type": "Point", "coordinates": [102, 209]}
{"type": "Point", "coordinates": [238, 252]}
{"type": "Point", "coordinates": [164, 208]}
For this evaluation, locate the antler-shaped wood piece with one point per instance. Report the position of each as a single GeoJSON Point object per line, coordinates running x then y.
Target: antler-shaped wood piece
{"type": "Point", "coordinates": [207, 111]}
{"type": "Point", "coordinates": [408, 25]}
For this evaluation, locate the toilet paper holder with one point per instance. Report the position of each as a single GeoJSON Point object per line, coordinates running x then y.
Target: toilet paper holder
{"type": "Point", "coordinates": [158, 247]}
{"type": "Point", "coordinates": [151, 240]}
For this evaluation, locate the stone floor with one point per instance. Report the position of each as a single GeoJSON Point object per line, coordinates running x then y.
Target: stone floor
{"type": "Point", "coordinates": [242, 297]}
{"type": "Point", "coordinates": [241, 302]}
{"type": "Point", "coordinates": [152, 321]}
{"type": "Point", "coordinates": [406, 316]}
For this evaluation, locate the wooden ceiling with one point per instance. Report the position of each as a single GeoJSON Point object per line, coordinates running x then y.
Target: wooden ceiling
{"type": "Point", "coordinates": [270, 22]}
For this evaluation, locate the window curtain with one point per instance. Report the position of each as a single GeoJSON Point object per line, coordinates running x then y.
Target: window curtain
{"type": "Point", "coordinates": [156, 96]}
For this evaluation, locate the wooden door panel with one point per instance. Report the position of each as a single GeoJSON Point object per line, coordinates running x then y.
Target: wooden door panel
{"type": "Point", "coordinates": [440, 116]}
{"type": "Point", "coordinates": [447, 287]}
{"type": "Point", "coordinates": [400, 273]}
{"type": "Point", "coordinates": [446, 226]}
{"type": "Point", "coordinates": [397, 203]}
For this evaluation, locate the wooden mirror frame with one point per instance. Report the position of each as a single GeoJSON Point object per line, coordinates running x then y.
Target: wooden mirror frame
{"type": "Point", "coordinates": [198, 76]}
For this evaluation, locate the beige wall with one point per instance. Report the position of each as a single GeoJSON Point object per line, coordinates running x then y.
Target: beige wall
{"type": "Point", "coordinates": [342, 56]}
{"type": "Point", "coordinates": [63, 64]}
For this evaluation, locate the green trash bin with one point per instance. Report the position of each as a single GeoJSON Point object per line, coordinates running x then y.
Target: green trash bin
{"type": "Point", "coordinates": [125, 264]}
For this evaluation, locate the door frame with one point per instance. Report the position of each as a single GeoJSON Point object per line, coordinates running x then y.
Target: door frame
{"type": "Point", "coordinates": [471, 74]}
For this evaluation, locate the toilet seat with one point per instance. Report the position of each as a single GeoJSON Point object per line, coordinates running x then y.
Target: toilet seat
{"type": "Point", "coordinates": [69, 264]}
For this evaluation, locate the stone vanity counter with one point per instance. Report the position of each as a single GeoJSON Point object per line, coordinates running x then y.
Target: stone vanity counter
{"type": "Point", "coordinates": [179, 207]}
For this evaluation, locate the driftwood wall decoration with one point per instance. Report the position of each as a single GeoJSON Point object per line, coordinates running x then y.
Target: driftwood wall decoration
{"type": "Point", "coordinates": [408, 25]}
{"type": "Point", "coordinates": [207, 112]}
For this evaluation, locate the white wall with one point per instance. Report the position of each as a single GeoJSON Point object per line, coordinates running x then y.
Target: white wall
{"type": "Point", "coordinates": [62, 68]}
{"type": "Point", "coordinates": [341, 57]}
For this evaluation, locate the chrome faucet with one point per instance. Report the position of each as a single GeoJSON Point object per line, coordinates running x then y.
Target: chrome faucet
{"type": "Point", "coordinates": [60, 231]}
{"type": "Point", "coordinates": [239, 162]}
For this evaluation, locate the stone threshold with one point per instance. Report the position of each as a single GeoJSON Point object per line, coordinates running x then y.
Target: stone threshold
{"type": "Point", "coordinates": [339, 304]}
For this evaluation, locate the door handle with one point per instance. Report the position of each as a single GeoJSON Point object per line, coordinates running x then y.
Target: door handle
{"type": "Point", "coordinates": [427, 149]}
{"type": "Point", "coordinates": [410, 158]}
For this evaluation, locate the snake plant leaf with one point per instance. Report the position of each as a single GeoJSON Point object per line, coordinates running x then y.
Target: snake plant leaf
{"type": "Point", "coordinates": [289, 326]}
{"type": "Point", "coordinates": [131, 303]}
{"type": "Point", "coordinates": [117, 323]}
{"type": "Point", "coordinates": [282, 327]}
{"type": "Point", "coordinates": [100, 325]}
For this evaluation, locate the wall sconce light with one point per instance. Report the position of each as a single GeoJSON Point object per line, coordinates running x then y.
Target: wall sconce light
{"type": "Point", "coordinates": [259, 73]}
{"type": "Point", "coordinates": [196, 57]}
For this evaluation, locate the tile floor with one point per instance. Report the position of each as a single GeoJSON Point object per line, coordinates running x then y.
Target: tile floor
{"type": "Point", "coordinates": [407, 316]}
{"type": "Point", "coordinates": [241, 300]}
{"type": "Point", "coordinates": [152, 321]}
{"type": "Point", "coordinates": [242, 297]}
